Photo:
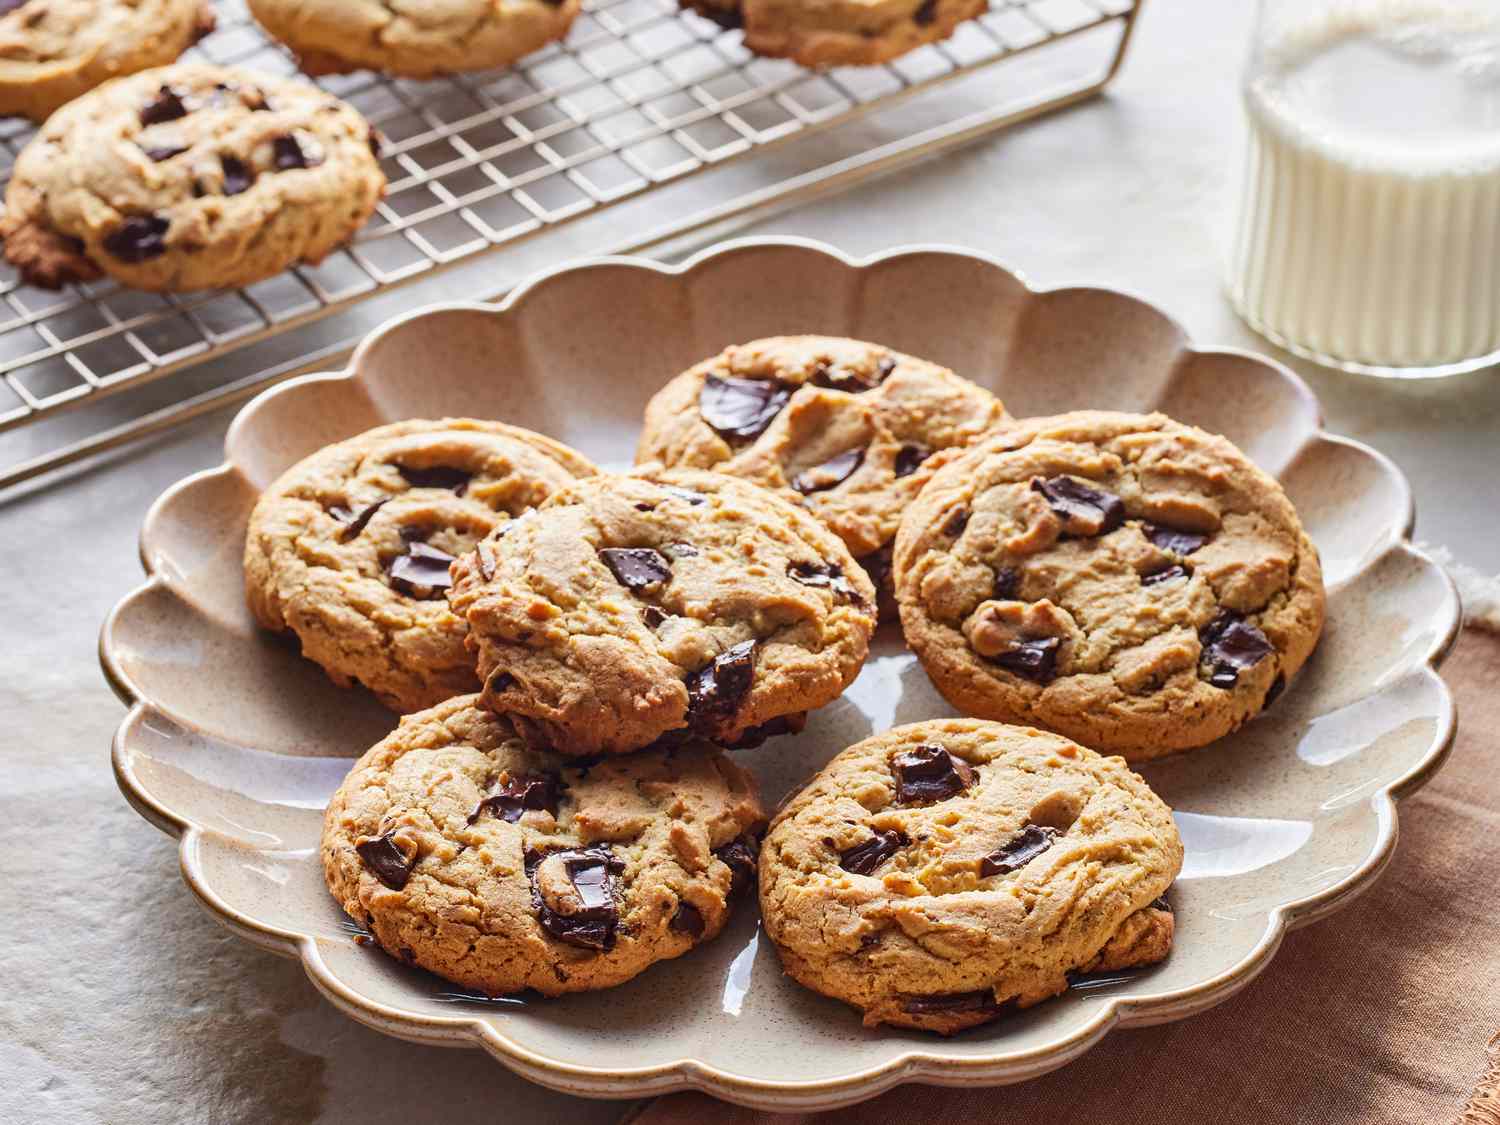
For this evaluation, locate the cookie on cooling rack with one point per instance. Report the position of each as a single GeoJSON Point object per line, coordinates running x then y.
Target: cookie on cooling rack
{"type": "Point", "coordinates": [503, 868]}
{"type": "Point", "coordinates": [51, 51]}
{"type": "Point", "coordinates": [190, 177]}
{"type": "Point", "coordinates": [1134, 583]}
{"type": "Point", "coordinates": [413, 40]}
{"type": "Point", "coordinates": [626, 610]}
{"type": "Point", "coordinates": [350, 548]}
{"type": "Point", "coordinates": [942, 873]}
{"type": "Point", "coordinates": [848, 430]}
{"type": "Point", "coordinates": [841, 33]}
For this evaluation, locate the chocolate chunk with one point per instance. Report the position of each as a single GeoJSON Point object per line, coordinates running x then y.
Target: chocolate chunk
{"type": "Point", "coordinates": [823, 575]}
{"type": "Point", "coordinates": [739, 856]}
{"type": "Point", "coordinates": [593, 924]}
{"type": "Point", "coordinates": [636, 567]}
{"type": "Point", "coordinates": [158, 153]}
{"type": "Point", "coordinates": [1161, 903]}
{"type": "Point", "coordinates": [386, 861]}
{"type": "Point", "coordinates": [436, 476]}
{"type": "Point", "coordinates": [287, 154]}
{"type": "Point", "coordinates": [1155, 578]}
{"type": "Point", "coordinates": [741, 409]}
{"type": "Point", "coordinates": [652, 616]}
{"type": "Point", "coordinates": [1083, 509]}
{"type": "Point", "coordinates": [138, 239]}
{"type": "Point", "coordinates": [910, 457]}
{"type": "Point", "coordinates": [237, 175]}
{"type": "Point", "coordinates": [1273, 693]}
{"type": "Point", "coordinates": [693, 498]}
{"type": "Point", "coordinates": [837, 378]}
{"type": "Point", "coordinates": [518, 793]}
{"type": "Point", "coordinates": [1230, 645]}
{"type": "Point", "coordinates": [982, 1000]}
{"type": "Point", "coordinates": [1007, 583]}
{"type": "Point", "coordinates": [688, 920]}
{"type": "Point", "coordinates": [771, 728]}
{"type": "Point", "coordinates": [925, 14]}
{"type": "Point", "coordinates": [863, 859]}
{"type": "Point", "coordinates": [1034, 660]}
{"type": "Point", "coordinates": [954, 525]}
{"type": "Point", "coordinates": [715, 692]}
{"type": "Point", "coordinates": [422, 572]}
{"type": "Point", "coordinates": [168, 105]}
{"type": "Point", "coordinates": [499, 680]}
{"type": "Point", "coordinates": [354, 522]}
{"type": "Point", "coordinates": [928, 773]}
{"type": "Point", "coordinates": [1018, 851]}
{"type": "Point", "coordinates": [728, 18]}
{"type": "Point", "coordinates": [1171, 539]}
{"type": "Point", "coordinates": [830, 474]}
{"type": "Point", "coordinates": [411, 533]}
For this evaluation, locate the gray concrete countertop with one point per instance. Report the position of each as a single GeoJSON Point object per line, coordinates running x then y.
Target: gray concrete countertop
{"type": "Point", "coordinates": [125, 1002]}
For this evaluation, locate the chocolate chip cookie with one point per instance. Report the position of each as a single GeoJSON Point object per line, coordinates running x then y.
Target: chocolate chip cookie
{"type": "Point", "coordinates": [944, 872]}
{"type": "Point", "coordinates": [626, 610]}
{"type": "Point", "coordinates": [841, 33]}
{"type": "Point", "coordinates": [189, 177]}
{"type": "Point", "coordinates": [350, 549]}
{"type": "Point", "coordinates": [1134, 583]}
{"type": "Point", "coordinates": [52, 51]}
{"type": "Point", "coordinates": [849, 430]}
{"type": "Point", "coordinates": [413, 40]}
{"type": "Point", "coordinates": [503, 868]}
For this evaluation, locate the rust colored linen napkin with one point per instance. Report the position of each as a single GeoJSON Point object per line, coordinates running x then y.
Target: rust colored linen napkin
{"type": "Point", "coordinates": [1380, 1014]}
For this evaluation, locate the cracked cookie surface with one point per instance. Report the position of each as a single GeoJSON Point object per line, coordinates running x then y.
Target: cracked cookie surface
{"type": "Point", "coordinates": [840, 33]}
{"type": "Point", "coordinates": [943, 872]}
{"type": "Point", "coordinates": [190, 177]}
{"type": "Point", "coordinates": [52, 51]}
{"type": "Point", "coordinates": [627, 609]}
{"type": "Point", "coordinates": [851, 431]}
{"type": "Point", "coordinates": [1134, 583]}
{"type": "Point", "coordinates": [413, 40]}
{"type": "Point", "coordinates": [350, 548]}
{"type": "Point", "coordinates": [502, 868]}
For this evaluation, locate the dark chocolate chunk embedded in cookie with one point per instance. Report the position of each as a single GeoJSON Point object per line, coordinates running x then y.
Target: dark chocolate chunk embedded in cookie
{"type": "Point", "coordinates": [741, 409]}
{"type": "Point", "coordinates": [636, 568]}
{"type": "Point", "coordinates": [387, 861]}
{"type": "Point", "coordinates": [1018, 851]}
{"type": "Point", "coordinates": [1175, 540]}
{"type": "Point", "coordinates": [169, 104]}
{"type": "Point", "coordinates": [1230, 646]}
{"type": "Point", "coordinates": [928, 773]}
{"type": "Point", "coordinates": [865, 858]}
{"type": "Point", "coordinates": [139, 238]}
{"type": "Point", "coordinates": [422, 572]}
{"type": "Point", "coordinates": [1083, 509]}
{"type": "Point", "coordinates": [573, 892]}
{"type": "Point", "coordinates": [1034, 660]}
{"type": "Point", "coordinates": [830, 474]}
{"type": "Point", "coordinates": [519, 793]}
{"type": "Point", "coordinates": [448, 477]}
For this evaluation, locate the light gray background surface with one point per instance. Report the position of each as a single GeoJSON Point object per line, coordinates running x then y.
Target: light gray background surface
{"type": "Point", "coordinates": [123, 1001]}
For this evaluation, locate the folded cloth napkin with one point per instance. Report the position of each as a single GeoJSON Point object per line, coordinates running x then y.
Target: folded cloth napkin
{"type": "Point", "coordinates": [1380, 1014]}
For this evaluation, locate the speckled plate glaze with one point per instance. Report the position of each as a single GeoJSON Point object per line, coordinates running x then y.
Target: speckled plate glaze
{"type": "Point", "coordinates": [234, 744]}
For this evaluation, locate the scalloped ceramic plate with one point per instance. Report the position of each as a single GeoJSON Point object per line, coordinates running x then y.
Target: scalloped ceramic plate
{"type": "Point", "coordinates": [234, 743]}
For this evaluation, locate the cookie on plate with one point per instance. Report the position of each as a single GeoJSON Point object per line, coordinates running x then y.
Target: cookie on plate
{"type": "Point", "coordinates": [52, 51]}
{"type": "Point", "coordinates": [941, 873]}
{"type": "Point", "coordinates": [842, 33]}
{"type": "Point", "coordinates": [1134, 583]}
{"type": "Point", "coordinates": [350, 548]}
{"type": "Point", "coordinates": [625, 610]}
{"type": "Point", "coordinates": [189, 177]}
{"type": "Point", "coordinates": [413, 40]}
{"type": "Point", "coordinates": [505, 868]}
{"type": "Point", "coordinates": [849, 430]}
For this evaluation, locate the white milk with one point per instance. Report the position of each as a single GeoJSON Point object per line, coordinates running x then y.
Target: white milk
{"type": "Point", "coordinates": [1369, 230]}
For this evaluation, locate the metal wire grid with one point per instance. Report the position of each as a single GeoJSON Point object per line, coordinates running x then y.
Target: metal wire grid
{"type": "Point", "coordinates": [639, 95]}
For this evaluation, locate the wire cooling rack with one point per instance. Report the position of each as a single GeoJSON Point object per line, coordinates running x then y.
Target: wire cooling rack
{"type": "Point", "coordinates": [640, 98]}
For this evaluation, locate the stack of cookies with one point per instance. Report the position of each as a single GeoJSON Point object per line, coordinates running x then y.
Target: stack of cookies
{"type": "Point", "coordinates": [582, 655]}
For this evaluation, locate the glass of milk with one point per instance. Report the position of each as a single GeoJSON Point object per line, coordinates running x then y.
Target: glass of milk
{"type": "Point", "coordinates": [1368, 229]}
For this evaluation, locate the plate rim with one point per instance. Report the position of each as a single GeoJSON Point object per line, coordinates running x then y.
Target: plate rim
{"type": "Point", "coordinates": [919, 1062]}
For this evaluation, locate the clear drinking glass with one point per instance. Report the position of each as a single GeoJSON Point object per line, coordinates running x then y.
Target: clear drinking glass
{"type": "Point", "coordinates": [1368, 228]}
